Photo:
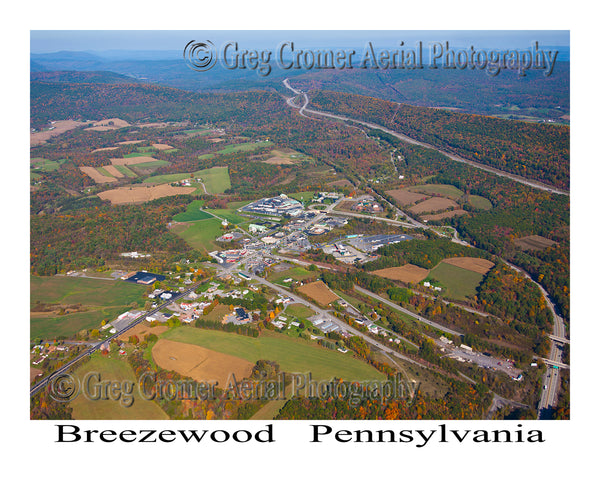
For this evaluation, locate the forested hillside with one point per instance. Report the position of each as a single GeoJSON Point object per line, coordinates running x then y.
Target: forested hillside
{"type": "Point", "coordinates": [535, 151]}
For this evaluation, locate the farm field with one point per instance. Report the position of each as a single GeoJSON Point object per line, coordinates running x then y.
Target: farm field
{"type": "Point", "coordinates": [140, 194]}
{"type": "Point", "coordinates": [201, 234]}
{"type": "Point", "coordinates": [297, 273]}
{"type": "Point", "coordinates": [150, 165]}
{"type": "Point", "coordinates": [449, 191]}
{"type": "Point", "coordinates": [319, 292]}
{"type": "Point", "coordinates": [404, 196]}
{"type": "Point", "coordinates": [168, 178]}
{"type": "Point", "coordinates": [240, 147]}
{"type": "Point", "coordinates": [199, 363]}
{"type": "Point", "coordinates": [116, 369]}
{"type": "Point", "coordinates": [292, 354]}
{"type": "Point", "coordinates": [50, 325]}
{"type": "Point", "coordinates": [142, 152]}
{"type": "Point", "coordinates": [459, 282]}
{"type": "Point", "coordinates": [433, 204]}
{"type": "Point", "coordinates": [44, 165]}
{"type": "Point", "coordinates": [105, 149]}
{"type": "Point", "coordinates": [162, 146]}
{"type": "Point", "coordinates": [141, 330]}
{"type": "Point", "coordinates": [125, 171]}
{"type": "Point", "coordinates": [441, 216]}
{"type": "Point", "coordinates": [134, 159]}
{"type": "Point", "coordinates": [87, 291]}
{"type": "Point", "coordinates": [192, 213]}
{"type": "Point", "coordinates": [112, 170]}
{"type": "Point", "coordinates": [96, 175]}
{"type": "Point", "coordinates": [108, 124]}
{"type": "Point", "coordinates": [534, 242]}
{"type": "Point", "coordinates": [480, 202]}
{"type": "Point", "coordinates": [60, 127]}
{"type": "Point", "coordinates": [474, 264]}
{"type": "Point", "coordinates": [103, 299]}
{"type": "Point", "coordinates": [408, 273]}
{"type": "Point", "coordinates": [285, 156]}
{"type": "Point", "coordinates": [216, 179]}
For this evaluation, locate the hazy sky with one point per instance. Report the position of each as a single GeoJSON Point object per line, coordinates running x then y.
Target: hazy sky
{"type": "Point", "coordinates": [44, 41]}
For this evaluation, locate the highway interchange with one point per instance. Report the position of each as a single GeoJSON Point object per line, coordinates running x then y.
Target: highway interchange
{"type": "Point", "coordinates": [551, 380]}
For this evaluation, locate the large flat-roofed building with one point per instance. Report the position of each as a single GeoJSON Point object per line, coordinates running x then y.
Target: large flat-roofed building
{"type": "Point", "coordinates": [281, 205]}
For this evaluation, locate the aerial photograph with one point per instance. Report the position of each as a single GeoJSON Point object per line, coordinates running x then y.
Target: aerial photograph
{"type": "Point", "coordinates": [299, 225]}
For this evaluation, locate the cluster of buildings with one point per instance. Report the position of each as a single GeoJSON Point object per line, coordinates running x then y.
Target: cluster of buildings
{"type": "Point", "coordinates": [134, 255]}
{"type": "Point", "coordinates": [187, 182]}
{"type": "Point", "coordinates": [321, 197]}
{"type": "Point", "coordinates": [229, 256]}
{"type": "Point", "coordinates": [367, 204]}
{"type": "Point", "coordinates": [124, 320]}
{"type": "Point", "coordinates": [229, 237]}
{"type": "Point", "coordinates": [281, 205]}
{"type": "Point", "coordinates": [326, 225]}
{"type": "Point", "coordinates": [372, 243]}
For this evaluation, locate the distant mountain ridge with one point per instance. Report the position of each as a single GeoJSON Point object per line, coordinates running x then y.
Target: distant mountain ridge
{"type": "Point", "coordinates": [534, 97]}
{"type": "Point", "coordinates": [73, 76]}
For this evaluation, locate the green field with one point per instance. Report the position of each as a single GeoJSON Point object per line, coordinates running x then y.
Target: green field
{"type": "Point", "coordinates": [45, 165]}
{"type": "Point", "coordinates": [240, 147]}
{"type": "Point", "coordinates": [216, 179]}
{"type": "Point", "coordinates": [54, 326]}
{"type": "Point", "coordinates": [136, 154]}
{"type": "Point", "coordinates": [114, 369]}
{"type": "Point", "coordinates": [449, 191]}
{"type": "Point", "coordinates": [293, 355]}
{"type": "Point", "coordinates": [305, 197]}
{"type": "Point", "coordinates": [155, 163]}
{"type": "Point", "coordinates": [229, 214]}
{"type": "Point", "coordinates": [125, 171]}
{"type": "Point", "coordinates": [298, 311]}
{"type": "Point", "coordinates": [459, 282]}
{"type": "Point", "coordinates": [103, 299]}
{"type": "Point", "coordinates": [480, 202]}
{"type": "Point", "coordinates": [192, 213]}
{"type": "Point", "coordinates": [104, 172]}
{"type": "Point", "coordinates": [201, 234]}
{"type": "Point", "coordinates": [202, 131]}
{"type": "Point", "coordinates": [297, 273]}
{"type": "Point", "coordinates": [87, 291]}
{"type": "Point", "coordinates": [168, 178]}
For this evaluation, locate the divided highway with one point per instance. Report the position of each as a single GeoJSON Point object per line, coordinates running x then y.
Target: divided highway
{"type": "Point", "coordinates": [551, 381]}
{"type": "Point", "coordinates": [501, 173]}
